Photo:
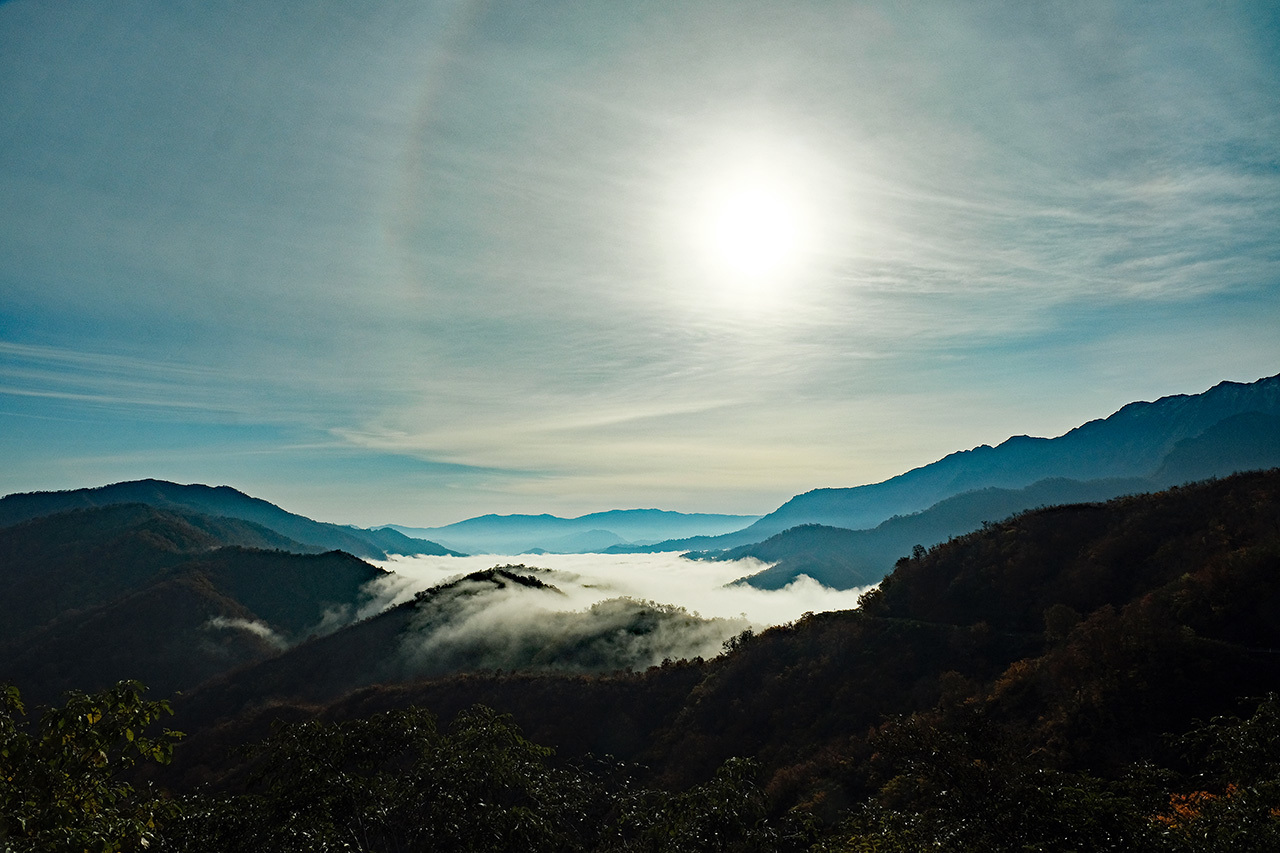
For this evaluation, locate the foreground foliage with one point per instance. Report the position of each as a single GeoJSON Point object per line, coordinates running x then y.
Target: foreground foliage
{"type": "Point", "coordinates": [395, 782]}
{"type": "Point", "coordinates": [60, 781]}
{"type": "Point", "coordinates": [969, 789]}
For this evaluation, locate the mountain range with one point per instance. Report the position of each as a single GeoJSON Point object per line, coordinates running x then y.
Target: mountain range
{"type": "Point", "coordinates": [1133, 442]}
{"type": "Point", "coordinates": [1143, 447]}
{"type": "Point", "coordinates": [1024, 680]}
{"type": "Point", "coordinates": [1064, 639]}
{"type": "Point", "coordinates": [1074, 636]}
{"type": "Point", "coordinates": [524, 534]}
{"type": "Point", "coordinates": [191, 582]}
{"type": "Point", "coordinates": [1049, 659]}
{"type": "Point", "coordinates": [842, 559]}
{"type": "Point", "coordinates": [225, 502]}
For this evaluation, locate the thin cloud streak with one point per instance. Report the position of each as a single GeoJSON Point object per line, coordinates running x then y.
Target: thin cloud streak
{"type": "Point", "coordinates": [466, 248]}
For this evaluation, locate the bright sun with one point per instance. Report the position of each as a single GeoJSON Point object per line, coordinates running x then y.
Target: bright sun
{"type": "Point", "coordinates": [752, 226]}
{"type": "Point", "coordinates": [751, 215]}
{"type": "Point", "coordinates": [753, 229]}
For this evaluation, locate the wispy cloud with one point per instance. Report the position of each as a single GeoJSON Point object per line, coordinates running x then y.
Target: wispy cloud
{"type": "Point", "coordinates": [465, 253]}
{"type": "Point", "coordinates": [258, 629]}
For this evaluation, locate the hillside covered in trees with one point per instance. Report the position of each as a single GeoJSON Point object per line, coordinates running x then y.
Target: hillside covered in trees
{"type": "Point", "coordinates": [1083, 677]}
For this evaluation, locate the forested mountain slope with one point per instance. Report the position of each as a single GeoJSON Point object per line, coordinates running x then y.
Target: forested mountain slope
{"type": "Point", "coordinates": [62, 563]}
{"type": "Point", "coordinates": [1014, 688]}
{"type": "Point", "coordinates": [131, 591]}
{"type": "Point", "coordinates": [219, 501]}
{"type": "Point", "coordinates": [1081, 634]}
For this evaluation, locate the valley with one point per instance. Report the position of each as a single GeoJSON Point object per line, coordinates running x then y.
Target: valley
{"type": "Point", "coordinates": [1054, 620]}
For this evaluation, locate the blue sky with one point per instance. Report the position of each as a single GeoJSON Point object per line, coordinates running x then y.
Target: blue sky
{"type": "Point", "coordinates": [416, 261]}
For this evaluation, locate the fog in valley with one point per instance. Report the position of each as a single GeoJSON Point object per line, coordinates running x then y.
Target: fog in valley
{"type": "Point", "coordinates": [581, 612]}
{"type": "Point", "coordinates": [700, 587]}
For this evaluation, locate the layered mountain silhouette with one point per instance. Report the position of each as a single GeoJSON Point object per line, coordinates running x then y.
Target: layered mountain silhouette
{"type": "Point", "coordinates": [523, 534]}
{"type": "Point", "coordinates": [486, 621]}
{"type": "Point", "coordinates": [180, 584]}
{"type": "Point", "coordinates": [1132, 443]}
{"type": "Point", "coordinates": [1082, 556]}
{"type": "Point", "coordinates": [1243, 442]}
{"type": "Point", "coordinates": [129, 590]}
{"type": "Point", "coordinates": [1141, 448]}
{"type": "Point", "coordinates": [842, 558]}
{"type": "Point", "coordinates": [1079, 635]}
{"type": "Point", "coordinates": [226, 502]}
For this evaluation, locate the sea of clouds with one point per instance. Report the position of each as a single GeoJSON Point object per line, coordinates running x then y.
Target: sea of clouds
{"type": "Point", "coordinates": [586, 613]}
{"type": "Point", "coordinates": [701, 587]}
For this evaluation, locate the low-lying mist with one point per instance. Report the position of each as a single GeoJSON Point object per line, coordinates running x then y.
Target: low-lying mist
{"type": "Point", "coordinates": [580, 612]}
{"type": "Point", "coordinates": [697, 586]}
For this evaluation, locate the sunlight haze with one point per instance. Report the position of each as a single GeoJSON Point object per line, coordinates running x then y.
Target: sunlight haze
{"type": "Point", "coordinates": [414, 262]}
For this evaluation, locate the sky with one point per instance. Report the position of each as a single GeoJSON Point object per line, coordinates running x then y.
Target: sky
{"type": "Point", "coordinates": [411, 262]}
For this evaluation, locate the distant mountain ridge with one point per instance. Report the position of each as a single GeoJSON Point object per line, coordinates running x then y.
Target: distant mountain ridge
{"type": "Point", "coordinates": [222, 501]}
{"type": "Point", "coordinates": [1243, 442]}
{"type": "Point", "coordinates": [841, 558]}
{"type": "Point", "coordinates": [1132, 443]}
{"type": "Point", "coordinates": [520, 534]}
{"type": "Point", "coordinates": [844, 558]}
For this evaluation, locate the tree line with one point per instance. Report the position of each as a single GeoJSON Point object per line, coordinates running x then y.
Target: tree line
{"type": "Point", "coordinates": [398, 781]}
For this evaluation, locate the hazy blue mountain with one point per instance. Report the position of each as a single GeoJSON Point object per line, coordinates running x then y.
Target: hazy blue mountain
{"type": "Point", "coordinates": [519, 534]}
{"type": "Point", "coordinates": [1133, 442]}
{"type": "Point", "coordinates": [843, 559]}
{"type": "Point", "coordinates": [1244, 442]}
{"type": "Point", "coordinates": [218, 501]}
{"type": "Point", "coordinates": [394, 542]}
{"type": "Point", "coordinates": [587, 542]}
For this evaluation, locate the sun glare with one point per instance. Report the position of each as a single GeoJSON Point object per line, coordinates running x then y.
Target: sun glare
{"type": "Point", "coordinates": [749, 209]}
{"type": "Point", "coordinates": [753, 230]}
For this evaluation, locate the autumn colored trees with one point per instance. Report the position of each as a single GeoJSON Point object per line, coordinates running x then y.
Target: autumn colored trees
{"type": "Point", "coordinates": [395, 781]}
